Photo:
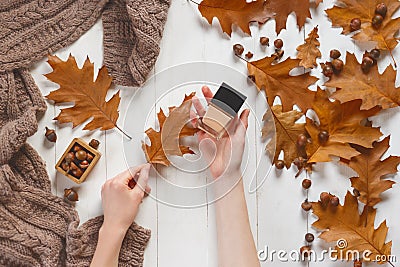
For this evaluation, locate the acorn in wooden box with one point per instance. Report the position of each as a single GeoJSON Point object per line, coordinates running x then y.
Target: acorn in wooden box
{"type": "Point", "coordinates": [78, 160]}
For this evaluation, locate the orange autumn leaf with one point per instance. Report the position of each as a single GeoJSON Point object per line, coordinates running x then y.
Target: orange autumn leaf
{"type": "Point", "coordinates": [89, 97]}
{"type": "Point", "coordinates": [283, 9]}
{"type": "Point", "coordinates": [342, 122]}
{"type": "Point", "coordinates": [357, 231]}
{"type": "Point", "coordinates": [372, 171]}
{"type": "Point", "coordinates": [384, 36]}
{"type": "Point", "coordinates": [274, 78]}
{"type": "Point", "coordinates": [285, 130]}
{"type": "Point", "coordinates": [309, 52]}
{"type": "Point", "coordinates": [166, 141]}
{"type": "Point", "coordinates": [317, 2]}
{"type": "Point", "coordinates": [235, 12]}
{"type": "Point", "coordinates": [373, 89]}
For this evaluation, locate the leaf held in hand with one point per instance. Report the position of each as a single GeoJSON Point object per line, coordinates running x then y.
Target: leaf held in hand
{"type": "Point", "coordinates": [276, 81]}
{"type": "Point", "coordinates": [309, 52]}
{"type": "Point", "coordinates": [166, 142]}
{"type": "Point", "coordinates": [88, 96]}
{"type": "Point", "coordinates": [237, 12]}
{"type": "Point", "coordinates": [345, 222]}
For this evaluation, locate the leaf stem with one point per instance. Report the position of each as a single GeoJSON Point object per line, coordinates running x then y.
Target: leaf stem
{"type": "Point", "coordinates": [129, 137]}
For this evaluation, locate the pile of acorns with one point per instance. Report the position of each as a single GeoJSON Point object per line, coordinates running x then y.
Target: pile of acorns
{"type": "Point", "coordinates": [333, 67]}
{"type": "Point", "coordinates": [238, 49]}
{"type": "Point", "coordinates": [78, 159]}
{"type": "Point", "coordinates": [380, 14]}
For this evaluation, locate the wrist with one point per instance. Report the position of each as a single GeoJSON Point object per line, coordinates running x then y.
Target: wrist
{"type": "Point", "coordinates": [112, 231]}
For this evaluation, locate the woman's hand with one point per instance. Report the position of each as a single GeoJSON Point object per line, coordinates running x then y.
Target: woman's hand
{"type": "Point", "coordinates": [120, 205]}
{"type": "Point", "coordinates": [120, 202]}
{"type": "Point", "coordinates": [224, 155]}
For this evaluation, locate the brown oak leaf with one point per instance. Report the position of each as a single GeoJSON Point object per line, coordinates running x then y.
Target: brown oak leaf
{"type": "Point", "coordinates": [372, 171]}
{"type": "Point", "coordinates": [373, 89]}
{"type": "Point", "coordinates": [284, 130]}
{"type": "Point", "coordinates": [88, 96]}
{"type": "Point", "coordinates": [282, 9]}
{"type": "Point", "coordinates": [276, 81]}
{"type": "Point", "coordinates": [237, 12]}
{"type": "Point", "coordinates": [166, 141]}
{"type": "Point", "coordinates": [309, 52]}
{"type": "Point", "coordinates": [358, 231]}
{"type": "Point", "coordinates": [343, 124]}
{"type": "Point", "coordinates": [385, 35]}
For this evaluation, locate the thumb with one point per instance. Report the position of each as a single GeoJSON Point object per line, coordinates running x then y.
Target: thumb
{"type": "Point", "coordinates": [141, 183]}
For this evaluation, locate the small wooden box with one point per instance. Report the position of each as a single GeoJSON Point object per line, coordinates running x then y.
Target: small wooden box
{"type": "Point", "coordinates": [96, 156]}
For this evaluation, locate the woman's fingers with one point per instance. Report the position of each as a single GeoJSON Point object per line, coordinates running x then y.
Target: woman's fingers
{"type": "Point", "coordinates": [243, 124]}
{"type": "Point", "coordinates": [198, 106]}
{"type": "Point", "coordinates": [128, 174]}
{"type": "Point", "coordinates": [207, 93]}
{"type": "Point", "coordinates": [141, 183]}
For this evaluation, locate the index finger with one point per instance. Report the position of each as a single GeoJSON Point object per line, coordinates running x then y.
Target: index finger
{"type": "Point", "coordinates": [128, 174]}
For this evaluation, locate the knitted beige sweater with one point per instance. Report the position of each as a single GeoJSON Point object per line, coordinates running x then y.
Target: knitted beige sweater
{"type": "Point", "coordinates": [36, 227]}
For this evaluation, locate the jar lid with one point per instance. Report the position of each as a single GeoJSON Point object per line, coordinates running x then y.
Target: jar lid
{"type": "Point", "coordinates": [228, 99]}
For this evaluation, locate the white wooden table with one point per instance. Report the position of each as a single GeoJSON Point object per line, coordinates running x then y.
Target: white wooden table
{"type": "Point", "coordinates": [187, 236]}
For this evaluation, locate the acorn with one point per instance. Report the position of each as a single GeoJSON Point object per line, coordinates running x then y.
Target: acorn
{"type": "Point", "coordinates": [71, 195]}
{"type": "Point", "coordinates": [264, 41]}
{"type": "Point", "coordinates": [375, 54]}
{"type": "Point", "coordinates": [323, 137]}
{"type": "Point", "coordinates": [81, 155]}
{"type": "Point", "coordinates": [325, 198]}
{"type": "Point", "coordinates": [94, 143]}
{"type": "Point", "coordinates": [77, 172]}
{"type": "Point", "coordinates": [278, 43]}
{"type": "Point", "coordinates": [357, 263]}
{"type": "Point", "coordinates": [76, 148]}
{"type": "Point", "coordinates": [84, 164]}
{"type": "Point", "coordinates": [355, 24]}
{"type": "Point", "coordinates": [305, 251]}
{"type": "Point", "coordinates": [334, 201]}
{"type": "Point", "coordinates": [337, 65]}
{"type": "Point", "coordinates": [377, 21]}
{"type": "Point", "coordinates": [306, 206]}
{"type": "Point", "coordinates": [306, 183]}
{"type": "Point", "coordinates": [280, 164]}
{"type": "Point", "coordinates": [301, 140]}
{"type": "Point", "coordinates": [65, 166]}
{"type": "Point", "coordinates": [70, 157]}
{"type": "Point", "coordinates": [51, 135]}
{"type": "Point", "coordinates": [327, 70]}
{"type": "Point", "coordinates": [309, 237]}
{"type": "Point", "coordinates": [89, 157]}
{"type": "Point", "coordinates": [335, 54]}
{"type": "Point", "coordinates": [381, 9]}
{"type": "Point", "coordinates": [238, 49]}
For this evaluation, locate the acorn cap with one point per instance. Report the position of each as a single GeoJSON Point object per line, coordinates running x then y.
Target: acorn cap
{"type": "Point", "coordinates": [228, 99]}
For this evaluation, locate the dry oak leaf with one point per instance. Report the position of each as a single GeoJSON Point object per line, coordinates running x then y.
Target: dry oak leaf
{"type": "Point", "coordinates": [309, 52]}
{"type": "Point", "coordinates": [317, 2]}
{"type": "Point", "coordinates": [235, 12]}
{"type": "Point", "coordinates": [345, 222]}
{"type": "Point", "coordinates": [343, 123]}
{"type": "Point", "coordinates": [373, 88]}
{"type": "Point", "coordinates": [77, 85]}
{"type": "Point", "coordinates": [282, 9]}
{"type": "Point", "coordinates": [166, 141]}
{"type": "Point", "coordinates": [285, 130]}
{"type": "Point", "coordinates": [276, 81]}
{"type": "Point", "coordinates": [345, 10]}
{"type": "Point", "coordinates": [372, 171]}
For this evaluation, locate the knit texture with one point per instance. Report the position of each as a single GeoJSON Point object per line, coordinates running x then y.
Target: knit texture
{"type": "Point", "coordinates": [36, 227]}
